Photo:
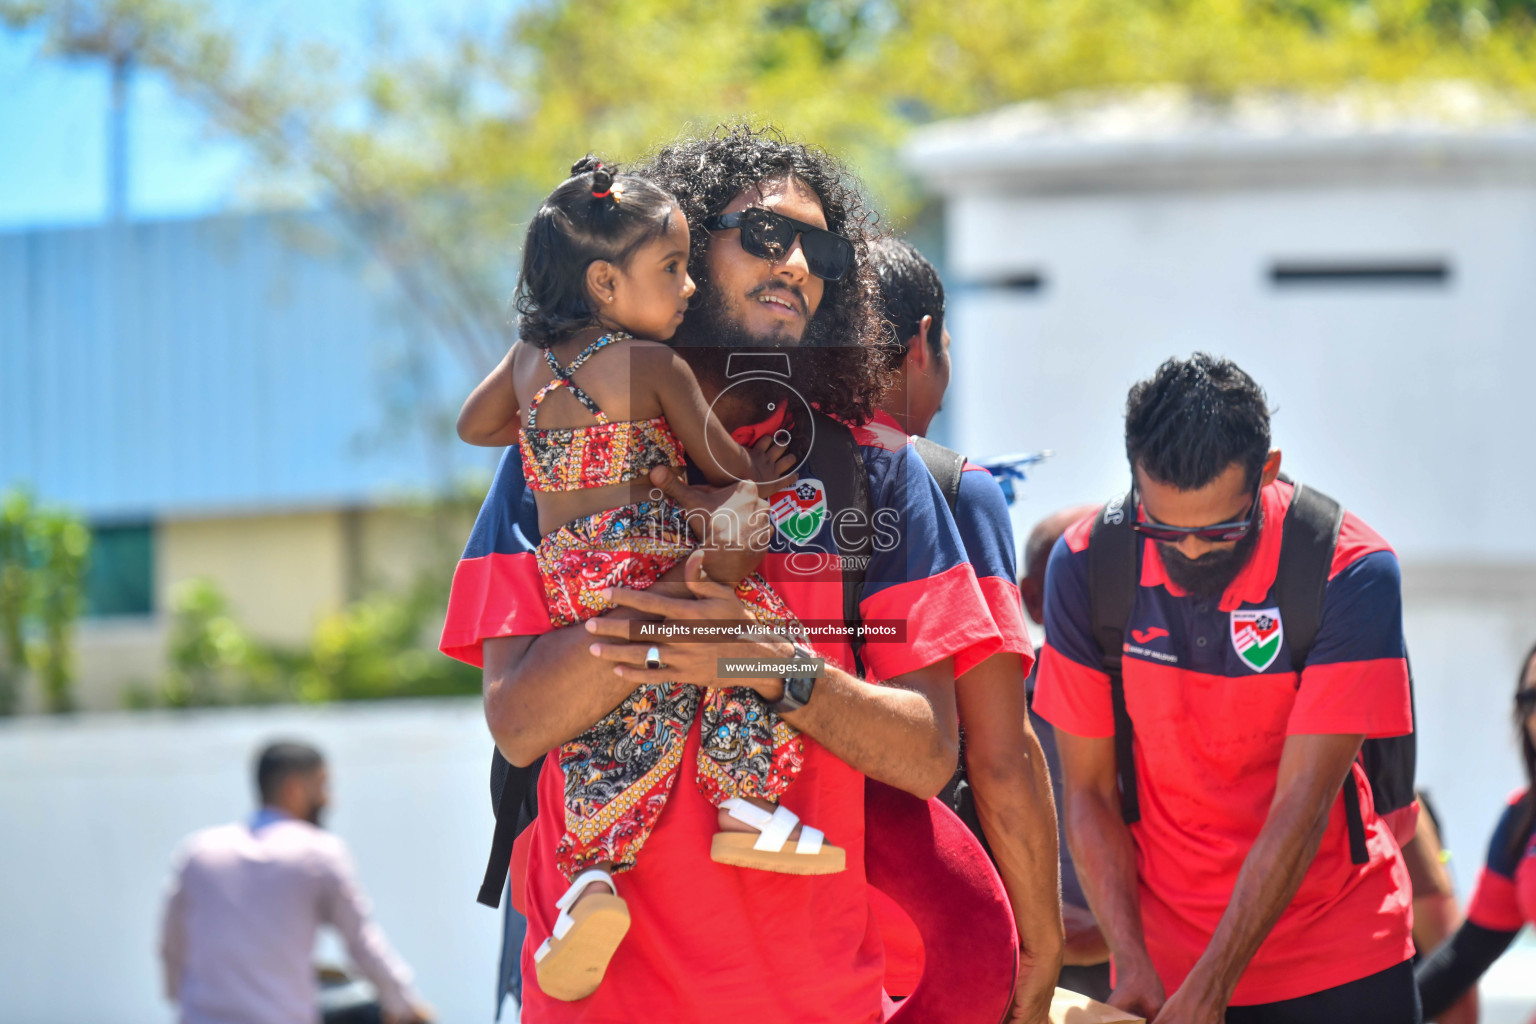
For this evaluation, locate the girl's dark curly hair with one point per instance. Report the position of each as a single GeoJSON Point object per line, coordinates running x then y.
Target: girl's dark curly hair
{"type": "Point", "coordinates": [840, 368]}
{"type": "Point", "coordinates": [595, 214]}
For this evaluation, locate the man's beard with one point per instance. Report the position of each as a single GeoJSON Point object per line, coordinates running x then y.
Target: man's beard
{"type": "Point", "coordinates": [316, 812]}
{"type": "Point", "coordinates": [708, 336]}
{"type": "Point", "coordinates": [1209, 575]}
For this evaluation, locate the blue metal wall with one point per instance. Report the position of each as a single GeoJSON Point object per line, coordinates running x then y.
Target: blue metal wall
{"type": "Point", "coordinates": [228, 364]}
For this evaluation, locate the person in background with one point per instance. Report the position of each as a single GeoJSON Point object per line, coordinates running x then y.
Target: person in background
{"type": "Point", "coordinates": [1435, 911]}
{"type": "Point", "coordinates": [1235, 895]}
{"type": "Point", "coordinates": [1085, 962]}
{"type": "Point", "coordinates": [1003, 766]}
{"type": "Point", "coordinates": [1505, 898]}
{"type": "Point", "coordinates": [246, 900]}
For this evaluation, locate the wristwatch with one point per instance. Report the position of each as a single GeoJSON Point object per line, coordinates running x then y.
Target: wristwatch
{"type": "Point", "coordinates": [797, 689]}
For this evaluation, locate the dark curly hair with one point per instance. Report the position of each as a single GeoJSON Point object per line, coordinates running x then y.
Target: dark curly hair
{"type": "Point", "coordinates": [595, 214]}
{"type": "Point", "coordinates": [910, 289]}
{"type": "Point", "coordinates": [1193, 418]}
{"type": "Point", "coordinates": [839, 364]}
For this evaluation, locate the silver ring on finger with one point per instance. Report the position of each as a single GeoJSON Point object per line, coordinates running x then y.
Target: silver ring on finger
{"type": "Point", "coordinates": [653, 658]}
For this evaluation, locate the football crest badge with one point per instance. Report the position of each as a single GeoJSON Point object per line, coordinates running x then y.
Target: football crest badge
{"type": "Point", "coordinates": [799, 512]}
{"type": "Point", "coordinates": [1256, 636]}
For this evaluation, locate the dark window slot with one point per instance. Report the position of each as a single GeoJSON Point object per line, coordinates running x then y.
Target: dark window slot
{"type": "Point", "coordinates": [1023, 282]}
{"type": "Point", "coordinates": [1407, 273]}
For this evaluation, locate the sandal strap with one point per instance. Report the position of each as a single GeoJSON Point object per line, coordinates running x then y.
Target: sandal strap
{"type": "Point", "coordinates": [747, 812]}
{"type": "Point", "coordinates": [583, 880]}
{"type": "Point", "coordinates": [773, 829]}
{"type": "Point", "coordinates": [776, 833]}
{"type": "Point", "coordinates": [810, 841]}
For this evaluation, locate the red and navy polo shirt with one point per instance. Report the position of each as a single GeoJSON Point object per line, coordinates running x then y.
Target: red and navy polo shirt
{"type": "Point", "coordinates": [1505, 897]}
{"type": "Point", "coordinates": [700, 932]}
{"type": "Point", "coordinates": [986, 530]}
{"type": "Point", "coordinates": [1213, 695]}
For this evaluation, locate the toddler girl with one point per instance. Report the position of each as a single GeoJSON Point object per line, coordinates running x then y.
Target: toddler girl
{"type": "Point", "coordinates": [595, 400]}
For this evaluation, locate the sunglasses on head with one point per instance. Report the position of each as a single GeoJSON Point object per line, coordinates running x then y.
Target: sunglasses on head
{"type": "Point", "coordinates": [768, 235]}
{"type": "Point", "coordinates": [1525, 701]}
{"type": "Point", "coordinates": [1217, 533]}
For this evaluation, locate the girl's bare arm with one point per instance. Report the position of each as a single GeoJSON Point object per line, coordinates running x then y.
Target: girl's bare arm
{"type": "Point", "coordinates": [490, 414]}
{"type": "Point", "coordinates": [709, 445]}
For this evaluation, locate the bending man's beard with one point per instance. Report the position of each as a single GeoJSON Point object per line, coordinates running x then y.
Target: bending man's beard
{"type": "Point", "coordinates": [1209, 575]}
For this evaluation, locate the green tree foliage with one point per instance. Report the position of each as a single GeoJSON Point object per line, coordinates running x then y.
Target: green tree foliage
{"type": "Point", "coordinates": [43, 560]}
{"type": "Point", "coordinates": [15, 596]}
{"type": "Point", "coordinates": [378, 647]}
{"type": "Point", "coordinates": [437, 148]}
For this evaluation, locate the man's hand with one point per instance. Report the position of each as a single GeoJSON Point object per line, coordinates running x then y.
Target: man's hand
{"type": "Point", "coordinates": [1140, 992]}
{"type": "Point", "coordinates": [731, 523]}
{"type": "Point", "coordinates": [693, 663]}
{"type": "Point", "coordinates": [1191, 1006]}
{"type": "Point", "coordinates": [1032, 999]}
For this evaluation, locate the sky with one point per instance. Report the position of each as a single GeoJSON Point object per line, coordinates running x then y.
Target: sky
{"type": "Point", "coordinates": [54, 117]}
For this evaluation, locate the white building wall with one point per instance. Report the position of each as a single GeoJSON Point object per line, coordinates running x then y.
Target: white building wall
{"type": "Point", "coordinates": [1382, 393]}
{"type": "Point", "coordinates": [92, 808]}
{"type": "Point", "coordinates": [1411, 404]}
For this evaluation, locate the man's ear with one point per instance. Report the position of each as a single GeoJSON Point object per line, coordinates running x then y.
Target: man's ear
{"type": "Point", "coordinates": [1271, 466]}
{"type": "Point", "coordinates": [602, 281]}
{"type": "Point", "coordinates": [917, 345]}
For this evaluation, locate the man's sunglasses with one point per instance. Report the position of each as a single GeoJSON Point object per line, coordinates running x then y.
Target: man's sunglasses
{"type": "Point", "coordinates": [1218, 533]}
{"type": "Point", "coordinates": [768, 235]}
{"type": "Point", "coordinates": [1525, 702]}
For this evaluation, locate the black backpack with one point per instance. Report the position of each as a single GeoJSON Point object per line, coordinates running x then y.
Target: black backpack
{"type": "Point", "coordinates": [836, 462]}
{"type": "Point", "coordinates": [1307, 543]}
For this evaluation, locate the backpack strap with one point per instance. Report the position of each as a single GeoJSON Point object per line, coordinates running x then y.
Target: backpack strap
{"type": "Point", "coordinates": [1112, 582]}
{"type": "Point", "coordinates": [847, 486]}
{"type": "Point", "coordinates": [1307, 542]}
{"type": "Point", "coordinates": [945, 464]}
{"type": "Point", "coordinates": [514, 796]}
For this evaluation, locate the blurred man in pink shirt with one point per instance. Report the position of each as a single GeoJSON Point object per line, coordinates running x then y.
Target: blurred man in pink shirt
{"type": "Point", "coordinates": [246, 900]}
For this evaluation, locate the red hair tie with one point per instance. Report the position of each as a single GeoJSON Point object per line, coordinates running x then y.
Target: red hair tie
{"type": "Point", "coordinates": [605, 193]}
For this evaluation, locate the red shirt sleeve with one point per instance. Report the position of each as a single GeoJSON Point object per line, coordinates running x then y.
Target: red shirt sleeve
{"type": "Point", "coordinates": [1356, 677]}
{"type": "Point", "coordinates": [1071, 687]}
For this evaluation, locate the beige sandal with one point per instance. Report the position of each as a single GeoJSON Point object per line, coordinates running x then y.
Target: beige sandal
{"type": "Point", "coordinates": [766, 851]}
{"type": "Point", "coordinates": [571, 962]}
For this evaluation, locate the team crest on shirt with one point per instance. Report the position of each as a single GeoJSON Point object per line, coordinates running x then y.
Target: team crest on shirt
{"type": "Point", "coordinates": [1256, 636]}
{"type": "Point", "coordinates": [799, 512]}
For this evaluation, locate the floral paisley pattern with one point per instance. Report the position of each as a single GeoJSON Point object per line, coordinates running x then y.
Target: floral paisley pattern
{"type": "Point", "coordinates": [576, 458]}
{"type": "Point", "coordinates": [619, 773]}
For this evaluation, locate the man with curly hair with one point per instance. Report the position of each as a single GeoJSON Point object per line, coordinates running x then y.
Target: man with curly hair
{"type": "Point", "coordinates": [705, 939]}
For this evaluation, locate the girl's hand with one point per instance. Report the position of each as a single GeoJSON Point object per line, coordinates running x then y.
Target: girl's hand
{"type": "Point", "coordinates": [731, 523]}
{"type": "Point", "coordinates": [771, 466]}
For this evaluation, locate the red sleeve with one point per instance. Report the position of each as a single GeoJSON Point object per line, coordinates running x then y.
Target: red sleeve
{"type": "Point", "coordinates": [493, 595]}
{"type": "Point", "coordinates": [1007, 611]}
{"type": "Point", "coordinates": [1525, 885]}
{"type": "Point", "coordinates": [1495, 903]}
{"type": "Point", "coordinates": [1369, 697]}
{"type": "Point", "coordinates": [1073, 697]}
{"type": "Point", "coordinates": [946, 618]}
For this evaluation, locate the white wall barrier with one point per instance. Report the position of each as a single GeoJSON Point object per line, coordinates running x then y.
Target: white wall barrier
{"type": "Point", "coordinates": [92, 807]}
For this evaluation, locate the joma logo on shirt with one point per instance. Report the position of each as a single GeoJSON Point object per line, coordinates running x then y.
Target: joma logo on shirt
{"type": "Point", "coordinates": [1146, 636]}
